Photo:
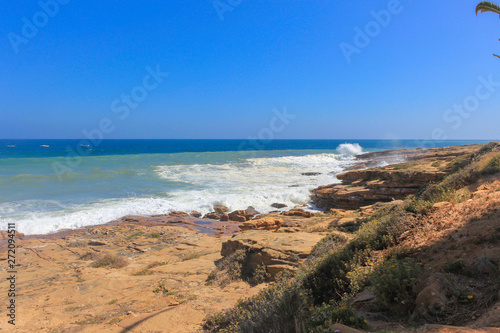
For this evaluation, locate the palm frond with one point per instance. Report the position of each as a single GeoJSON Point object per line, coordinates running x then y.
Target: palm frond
{"type": "Point", "coordinates": [486, 6]}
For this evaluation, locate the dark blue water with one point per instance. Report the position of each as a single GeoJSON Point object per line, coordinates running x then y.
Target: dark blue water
{"type": "Point", "coordinates": [33, 148]}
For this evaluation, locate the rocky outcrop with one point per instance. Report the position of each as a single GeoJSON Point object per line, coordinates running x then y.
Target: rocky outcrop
{"type": "Point", "coordinates": [195, 213]}
{"type": "Point", "coordinates": [212, 215]}
{"type": "Point", "coordinates": [276, 251]}
{"type": "Point", "coordinates": [221, 209]}
{"type": "Point", "coordinates": [178, 214]}
{"type": "Point", "coordinates": [278, 205]}
{"type": "Point", "coordinates": [366, 187]}
{"type": "Point", "coordinates": [408, 170]}
{"type": "Point", "coordinates": [243, 215]}
{"type": "Point", "coordinates": [297, 212]}
{"type": "Point", "coordinates": [266, 223]}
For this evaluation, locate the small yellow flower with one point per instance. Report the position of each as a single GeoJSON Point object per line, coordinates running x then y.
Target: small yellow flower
{"type": "Point", "coordinates": [470, 297]}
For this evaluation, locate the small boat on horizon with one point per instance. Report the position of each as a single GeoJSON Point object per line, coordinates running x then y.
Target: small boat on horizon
{"type": "Point", "coordinates": [11, 146]}
{"type": "Point", "coordinates": [85, 146]}
{"type": "Point", "coordinates": [44, 146]}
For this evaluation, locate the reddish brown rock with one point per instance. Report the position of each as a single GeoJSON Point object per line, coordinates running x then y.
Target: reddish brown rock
{"type": "Point", "coordinates": [178, 214]}
{"type": "Point", "coordinates": [297, 212]}
{"type": "Point", "coordinates": [224, 217]}
{"type": "Point", "coordinates": [367, 187]}
{"type": "Point", "coordinates": [212, 215]}
{"type": "Point", "coordinates": [237, 215]}
{"type": "Point", "coordinates": [266, 223]}
{"type": "Point", "coordinates": [195, 213]}
{"type": "Point", "coordinates": [221, 209]}
{"type": "Point", "coordinates": [278, 205]}
{"type": "Point", "coordinates": [250, 212]}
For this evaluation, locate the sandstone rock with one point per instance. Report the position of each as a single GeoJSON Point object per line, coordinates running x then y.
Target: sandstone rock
{"type": "Point", "coordinates": [195, 213]}
{"type": "Point", "coordinates": [237, 215]}
{"type": "Point", "coordinates": [485, 265]}
{"type": "Point", "coordinates": [297, 212]}
{"type": "Point", "coordinates": [441, 205]}
{"type": "Point", "coordinates": [250, 212]}
{"type": "Point", "coordinates": [178, 214]}
{"type": "Point", "coordinates": [432, 300]}
{"type": "Point", "coordinates": [490, 319]}
{"type": "Point", "coordinates": [212, 215]}
{"type": "Point", "coordinates": [224, 217]}
{"type": "Point", "coordinates": [366, 187]}
{"type": "Point", "coordinates": [221, 209]}
{"type": "Point", "coordinates": [278, 205]}
{"type": "Point", "coordinates": [94, 242]}
{"type": "Point", "coordinates": [238, 218]}
{"type": "Point", "coordinates": [338, 212]}
{"type": "Point", "coordinates": [266, 223]}
{"type": "Point", "coordinates": [366, 301]}
{"type": "Point", "coordinates": [271, 249]}
{"type": "Point", "coordinates": [274, 270]}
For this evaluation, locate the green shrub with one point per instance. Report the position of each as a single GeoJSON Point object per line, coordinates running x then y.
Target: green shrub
{"type": "Point", "coordinates": [110, 261]}
{"type": "Point", "coordinates": [455, 267]}
{"type": "Point", "coordinates": [229, 268]}
{"type": "Point", "coordinates": [393, 281]}
{"type": "Point", "coordinates": [278, 308]}
{"type": "Point", "coordinates": [328, 314]}
{"type": "Point", "coordinates": [327, 244]}
{"type": "Point", "coordinates": [137, 234]}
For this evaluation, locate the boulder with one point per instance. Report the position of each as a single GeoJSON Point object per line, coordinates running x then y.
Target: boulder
{"type": "Point", "coordinates": [237, 215]}
{"type": "Point", "coordinates": [221, 209]}
{"type": "Point", "coordinates": [267, 223]}
{"type": "Point", "coordinates": [367, 302]}
{"type": "Point", "coordinates": [251, 212]}
{"type": "Point", "coordinates": [195, 213]}
{"type": "Point", "coordinates": [277, 251]}
{"type": "Point", "coordinates": [485, 265]}
{"type": "Point", "coordinates": [212, 215]}
{"type": "Point", "coordinates": [297, 212]}
{"type": "Point", "coordinates": [435, 296]}
{"type": "Point", "coordinates": [278, 205]}
{"type": "Point", "coordinates": [224, 217]}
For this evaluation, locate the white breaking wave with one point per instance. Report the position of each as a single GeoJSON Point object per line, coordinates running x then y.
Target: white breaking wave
{"type": "Point", "coordinates": [257, 182]}
{"type": "Point", "coordinates": [349, 149]}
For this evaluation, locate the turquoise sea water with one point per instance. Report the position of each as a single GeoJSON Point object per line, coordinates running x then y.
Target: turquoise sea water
{"type": "Point", "coordinates": [49, 185]}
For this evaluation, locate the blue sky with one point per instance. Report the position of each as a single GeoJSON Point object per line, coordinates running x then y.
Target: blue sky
{"type": "Point", "coordinates": [416, 74]}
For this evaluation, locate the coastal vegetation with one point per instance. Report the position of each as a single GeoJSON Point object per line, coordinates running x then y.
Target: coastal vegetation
{"type": "Point", "coordinates": [376, 260]}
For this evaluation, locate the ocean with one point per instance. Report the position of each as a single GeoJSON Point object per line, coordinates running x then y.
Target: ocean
{"type": "Point", "coordinates": [50, 185]}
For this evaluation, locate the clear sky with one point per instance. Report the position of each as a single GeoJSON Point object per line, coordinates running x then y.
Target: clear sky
{"type": "Point", "coordinates": [420, 71]}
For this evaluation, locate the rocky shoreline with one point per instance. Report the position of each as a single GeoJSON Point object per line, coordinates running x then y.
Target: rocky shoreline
{"type": "Point", "coordinates": [152, 273]}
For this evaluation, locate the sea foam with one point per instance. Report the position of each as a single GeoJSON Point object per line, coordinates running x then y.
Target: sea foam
{"type": "Point", "coordinates": [237, 184]}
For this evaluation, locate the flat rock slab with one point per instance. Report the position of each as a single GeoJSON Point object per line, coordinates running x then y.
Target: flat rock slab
{"type": "Point", "coordinates": [276, 251]}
